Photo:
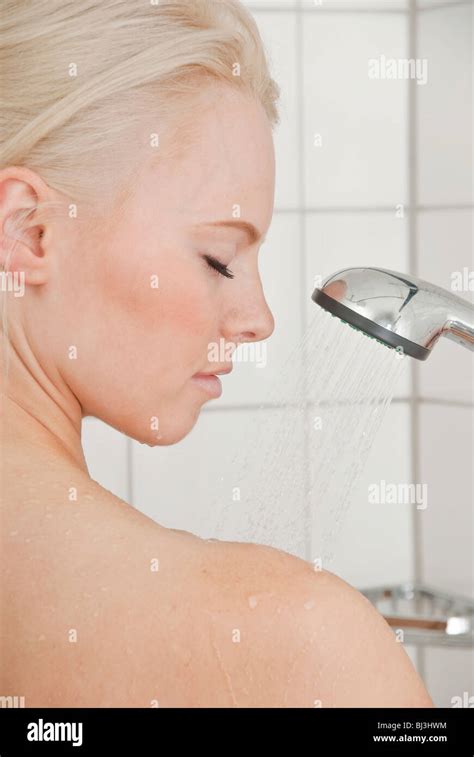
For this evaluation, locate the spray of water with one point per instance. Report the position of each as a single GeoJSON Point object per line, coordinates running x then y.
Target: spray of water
{"type": "Point", "coordinates": [301, 460]}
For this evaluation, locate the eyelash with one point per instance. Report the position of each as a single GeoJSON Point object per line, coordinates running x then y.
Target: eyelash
{"type": "Point", "coordinates": [219, 267]}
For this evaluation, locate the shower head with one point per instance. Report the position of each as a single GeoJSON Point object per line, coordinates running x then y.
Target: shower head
{"type": "Point", "coordinates": [397, 309]}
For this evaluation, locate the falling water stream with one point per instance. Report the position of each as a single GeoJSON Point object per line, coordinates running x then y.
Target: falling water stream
{"type": "Point", "coordinates": [291, 481]}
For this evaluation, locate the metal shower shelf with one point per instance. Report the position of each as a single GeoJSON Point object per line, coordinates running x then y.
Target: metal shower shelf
{"type": "Point", "coordinates": [426, 616]}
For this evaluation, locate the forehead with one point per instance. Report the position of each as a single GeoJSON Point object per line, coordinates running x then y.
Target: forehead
{"type": "Point", "coordinates": [225, 160]}
{"type": "Point", "coordinates": [230, 157]}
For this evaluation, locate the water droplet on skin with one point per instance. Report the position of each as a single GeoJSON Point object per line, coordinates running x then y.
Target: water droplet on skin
{"type": "Point", "coordinates": [13, 533]}
{"type": "Point", "coordinates": [42, 637]}
{"type": "Point", "coordinates": [253, 602]}
{"type": "Point", "coordinates": [309, 605]}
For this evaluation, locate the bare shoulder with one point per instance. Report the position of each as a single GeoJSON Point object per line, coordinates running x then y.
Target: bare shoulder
{"type": "Point", "coordinates": [290, 636]}
{"type": "Point", "coordinates": [221, 624]}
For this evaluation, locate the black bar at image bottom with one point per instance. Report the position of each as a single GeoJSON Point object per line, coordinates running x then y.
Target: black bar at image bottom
{"type": "Point", "coordinates": [76, 731]}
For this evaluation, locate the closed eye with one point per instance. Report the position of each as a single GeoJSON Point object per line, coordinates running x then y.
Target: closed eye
{"type": "Point", "coordinates": [219, 267]}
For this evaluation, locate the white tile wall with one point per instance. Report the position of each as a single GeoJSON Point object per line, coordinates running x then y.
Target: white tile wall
{"type": "Point", "coordinates": [325, 6]}
{"type": "Point", "coordinates": [445, 240]}
{"type": "Point", "coordinates": [362, 122]}
{"type": "Point", "coordinates": [437, 4]}
{"type": "Point", "coordinates": [269, 4]}
{"type": "Point", "coordinates": [447, 530]}
{"type": "Point", "coordinates": [445, 120]}
{"type": "Point", "coordinates": [375, 545]}
{"type": "Point", "coordinates": [176, 485]}
{"type": "Point", "coordinates": [339, 5]}
{"type": "Point", "coordinates": [447, 689]}
{"type": "Point", "coordinates": [278, 31]}
{"type": "Point", "coordinates": [191, 485]}
{"type": "Point", "coordinates": [328, 5]}
{"type": "Point", "coordinates": [444, 245]}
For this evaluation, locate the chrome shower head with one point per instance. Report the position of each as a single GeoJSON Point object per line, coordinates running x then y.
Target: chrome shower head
{"type": "Point", "coordinates": [397, 309]}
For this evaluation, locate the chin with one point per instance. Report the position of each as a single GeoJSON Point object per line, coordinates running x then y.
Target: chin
{"type": "Point", "coordinates": [172, 431]}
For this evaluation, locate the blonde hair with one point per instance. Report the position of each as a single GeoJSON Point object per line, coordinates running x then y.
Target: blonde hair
{"type": "Point", "coordinates": [80, 78]}
{"type": "Point", "coordinates": [70, 69]}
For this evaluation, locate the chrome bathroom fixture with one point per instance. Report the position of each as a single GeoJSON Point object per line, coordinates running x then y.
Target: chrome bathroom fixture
{"type": "Point", "coordinates": [397, 309]}
{"type": "Point", "coordinates": [425, 615]}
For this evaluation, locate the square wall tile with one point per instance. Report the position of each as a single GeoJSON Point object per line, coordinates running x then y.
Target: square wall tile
{"type": "Point", "coordinates": [234, 477]}
{"type": "Point", "coordinates": [448, 373]}
{"type": "Point", "coordinates": [343, 240]}
{"type": "Point", "coordinates": [445, 120]}
{"type": "Point", "coordinates": [355, 126]}
{"type": "Point", "coordinates": [258, 366]}
{"type": "Point", "coordinates": [105, 450]}
{"type": "Point", "coordinates": [446, 525]}
{"type": "Point", "coordinates": [278, 32]}
{"type": "Point", "coordinates": [374, 545]}
{"type": "Point", "coordinates": [176, 485]}
{"type": "Point", "coordinates": [445, 259]}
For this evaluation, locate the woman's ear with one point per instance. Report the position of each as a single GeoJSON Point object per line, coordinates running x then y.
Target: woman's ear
{"type": "Point", "coordinates": [21, 239]}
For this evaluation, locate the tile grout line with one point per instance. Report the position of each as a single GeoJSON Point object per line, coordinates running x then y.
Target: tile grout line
{"type": "Point", "coordinates": [215, 408]}
{"type": "Point", "coordinates": [299, 52]}
{"type": "Point", "coordinates": [444, 5]}
{"type": "Point", "coordinates": [249, 406]}
{"type": "Point", "coordinates": [413, 265]}
{"type": "Point", "coordinates": [298, 8]}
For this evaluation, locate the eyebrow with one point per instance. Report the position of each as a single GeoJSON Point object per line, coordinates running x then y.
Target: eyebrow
{"type": "Point", "coordinates": [252, 232]}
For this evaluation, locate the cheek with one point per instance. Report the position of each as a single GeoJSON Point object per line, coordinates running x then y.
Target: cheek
{"type": "Point", "coordinates": [183, 303]}
{"type": "Point", "coordinates": [166, 301]}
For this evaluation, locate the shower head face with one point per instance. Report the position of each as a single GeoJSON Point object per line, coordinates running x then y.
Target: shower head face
{"type": "Point", "coordinates": [397, 309]}
{"type": "Point", "coordinates": [376, 325]}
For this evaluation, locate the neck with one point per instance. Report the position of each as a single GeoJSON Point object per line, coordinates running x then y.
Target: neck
{"type": "Point", "coordinates": [39, 416]}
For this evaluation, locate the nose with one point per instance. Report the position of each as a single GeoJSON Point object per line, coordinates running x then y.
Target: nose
{"type": "Point", "coordinates": [263, 326]}
{"type": "Point", "coordinates": [250, 319]}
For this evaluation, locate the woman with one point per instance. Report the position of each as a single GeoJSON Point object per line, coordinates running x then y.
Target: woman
{"type": "Point", "coordinates": [136, 187]}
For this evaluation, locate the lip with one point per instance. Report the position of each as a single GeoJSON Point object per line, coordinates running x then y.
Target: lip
{"type": "Point", "coordinates": [209, 382]}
